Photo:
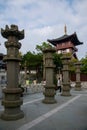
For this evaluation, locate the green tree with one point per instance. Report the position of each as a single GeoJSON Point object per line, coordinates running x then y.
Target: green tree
{"type": "Point", "coordinates": [44, 45]}
{"type": "Point", "coordinates": [33, 61]}
{"type": "Point", "coordinates": [72, 66]}
{"type": "Point", "coordinates": [84, 65]}
{"type": "Point", "coordinates": [57, 61]}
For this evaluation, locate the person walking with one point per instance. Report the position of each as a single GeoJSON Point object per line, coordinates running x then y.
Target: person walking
{"type": "Point", "coordinates": [59, 84]}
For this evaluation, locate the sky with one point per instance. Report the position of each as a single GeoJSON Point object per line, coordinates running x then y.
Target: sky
{"type": "Point", "coordinates": [45, 19]}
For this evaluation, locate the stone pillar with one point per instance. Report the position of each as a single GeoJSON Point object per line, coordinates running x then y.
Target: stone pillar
{"type": "Point", "coordinates": [78, 83]}
{"type": "Point", "coordinates": [66, 79]}
{"type": "Point", "coordinates": [44, 71]}
{"type": "Point", "coordinates": [49, 92]}
{"type": "Point", "coordinates": [12, 92]}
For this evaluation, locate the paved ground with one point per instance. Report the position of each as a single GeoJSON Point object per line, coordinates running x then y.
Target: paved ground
{"type": "Point", "coordinates": [69, 113]}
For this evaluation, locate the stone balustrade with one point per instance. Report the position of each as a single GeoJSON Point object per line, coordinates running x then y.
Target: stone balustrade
{"type": "Point", "coordinates": [32, 88]}
{"type": "Point", "coordinates": [38, 88]}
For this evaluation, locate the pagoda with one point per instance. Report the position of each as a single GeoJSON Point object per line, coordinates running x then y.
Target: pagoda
{"type": "Point", "coordinates": [66, 43]}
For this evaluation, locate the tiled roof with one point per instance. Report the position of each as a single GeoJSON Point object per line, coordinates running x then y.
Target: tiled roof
{"type": "Point", "coordinates": [73, 38]}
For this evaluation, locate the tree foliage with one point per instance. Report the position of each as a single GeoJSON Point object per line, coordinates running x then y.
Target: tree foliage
{"type": "Point", "coordinates": [44, 45]}
{"type": "Point", "coordinates": [72, 68]}
{"type": "Point", "coordinates": [84, 65]}
{"type": "Point", "coordinates": [32, 60]}
{"type": "Point", "coordinates": [57, 61]}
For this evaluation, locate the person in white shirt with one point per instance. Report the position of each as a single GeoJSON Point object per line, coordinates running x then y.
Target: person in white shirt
{"type": "Point", "coordinates": [59, 84]}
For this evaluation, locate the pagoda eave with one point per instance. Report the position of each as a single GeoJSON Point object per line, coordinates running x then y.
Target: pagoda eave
{"type": "Point", "coordinates": [73, 38]}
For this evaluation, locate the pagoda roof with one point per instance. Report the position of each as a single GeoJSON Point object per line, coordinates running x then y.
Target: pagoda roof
{"type": "Point", "coordinates": [73, 38]}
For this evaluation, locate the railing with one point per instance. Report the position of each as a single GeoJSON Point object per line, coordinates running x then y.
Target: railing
{"type": "Point", "coordinates": [30, 89]}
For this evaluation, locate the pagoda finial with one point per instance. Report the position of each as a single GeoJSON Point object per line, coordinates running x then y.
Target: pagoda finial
{"type": "Point", "coordinates": [65, 29]}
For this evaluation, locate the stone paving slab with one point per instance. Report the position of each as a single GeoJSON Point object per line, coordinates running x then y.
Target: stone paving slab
{"type": "Point", "coordinates": [68, 118]}
{"type": "Point", "coordinates": [69, 113]}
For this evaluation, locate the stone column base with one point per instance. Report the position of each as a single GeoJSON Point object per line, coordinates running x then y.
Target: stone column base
{"type": "Point", "coordinates": [10, 117]}
{"type": "Point", "coordinates": [65, 94]}
{"type": "Point", "coordinates": [12, 102]}
{"type": "Point", "coordinates": [49, 100]}
{"type": "Point", "coordinates": [66, 90]}
{"type": "Point", "coordinates": [49, 94]}
{"type": "Point", "coordinates": [78, 86]}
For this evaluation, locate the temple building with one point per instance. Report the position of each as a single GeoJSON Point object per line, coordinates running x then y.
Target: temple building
{"type": "Point", "coordinates": [66, 43]}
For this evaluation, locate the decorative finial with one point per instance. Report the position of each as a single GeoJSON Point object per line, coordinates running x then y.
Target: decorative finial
{"type": "Point", "coordinates": [65, 29]}
{"type": "Point", "coordinates": [14, 27]}
{"type": "Point", "coordinates": [6, 27]}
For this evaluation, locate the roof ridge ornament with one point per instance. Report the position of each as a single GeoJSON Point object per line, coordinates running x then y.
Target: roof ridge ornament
{"type": "Point", "coordinates": [65, 29]}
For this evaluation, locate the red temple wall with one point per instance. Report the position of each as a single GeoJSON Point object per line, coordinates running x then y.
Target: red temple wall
{"type": "Point", "coordinates": [83, 77]}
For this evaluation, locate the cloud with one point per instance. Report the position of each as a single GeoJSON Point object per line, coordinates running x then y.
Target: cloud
{"type": "Point", "coordinates": [45, 19]}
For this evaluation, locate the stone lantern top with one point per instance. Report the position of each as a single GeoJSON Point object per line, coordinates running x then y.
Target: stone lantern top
{"type": "Point", "coordinates": [49, 49]}
{"type": "Point", "coordinates": [12, 31]}
{"type": "Point", "coordinates": [78, 63]}
{"type": "Point", "coordinates": [66, 57]}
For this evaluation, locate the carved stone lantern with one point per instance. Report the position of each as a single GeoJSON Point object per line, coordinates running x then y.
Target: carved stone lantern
{"type": "Point", "coordinates": [11, 100]}
{"type": "Point", "coordinates": [49, 92]}
{"type": "Point", "coordinates": [66, 79]}
{"type": "Point", "coordinates": [78, 82]}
